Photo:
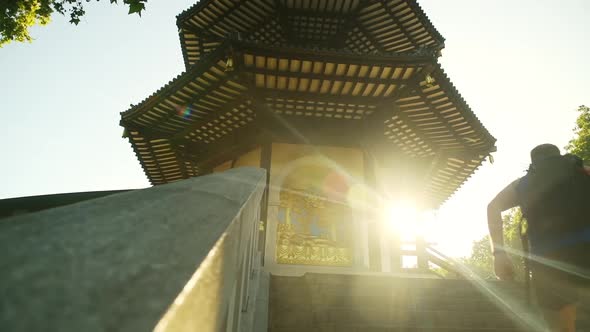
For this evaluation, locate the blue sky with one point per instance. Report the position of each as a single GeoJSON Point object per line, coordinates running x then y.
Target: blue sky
{"type": "Point", "coordinates": [521, 65]}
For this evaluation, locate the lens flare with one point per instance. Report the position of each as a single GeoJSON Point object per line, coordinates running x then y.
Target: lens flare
{"type": "Point", "coordinates": [183, 111]}
{"type": "Point", "coordinates": [335, 186]}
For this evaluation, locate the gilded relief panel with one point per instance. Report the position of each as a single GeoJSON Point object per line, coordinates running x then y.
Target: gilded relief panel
{"type": "Point", "coordinates": [314, 219]}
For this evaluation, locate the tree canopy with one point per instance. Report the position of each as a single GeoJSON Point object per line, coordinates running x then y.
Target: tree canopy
{"type": "Point", "coordinates": [17, 16]}
{"type": "Point", "coordinates": [481, 261]}
{"type": "Point", "coordinates": [580, 144]}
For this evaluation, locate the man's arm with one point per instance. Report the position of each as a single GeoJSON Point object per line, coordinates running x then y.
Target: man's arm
{"type": "Point", "coordinates": [506, 199]}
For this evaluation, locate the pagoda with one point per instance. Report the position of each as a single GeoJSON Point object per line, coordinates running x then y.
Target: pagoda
{"type": "Point", "coordinates": [343, 103]}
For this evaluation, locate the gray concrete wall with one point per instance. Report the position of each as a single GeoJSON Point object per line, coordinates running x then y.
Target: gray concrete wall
{"type": "Point", "coordinates": [115, 263]}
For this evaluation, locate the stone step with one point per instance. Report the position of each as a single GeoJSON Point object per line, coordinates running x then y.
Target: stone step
{"type": "Point", "coordinates": [363, 328]}
{"type": "Point", "coordinates": [389, 317]}
{"type": "Point", "coordinates": [376, 285]}
{"type": "Point", "coordinates": [420, 297]}
{"type": "Point", "coordinates": [431, 303]}
{"type": "Point", "coordinates": [366, 293]}
{"type": "Point", "coordinates": [416, 303]}
{"type": "Point", "coordinates": [401, 282]}
{"type": "Point", "coordinates": [384, 289]}
{"type": "Point", "coordinates": [340, 303]}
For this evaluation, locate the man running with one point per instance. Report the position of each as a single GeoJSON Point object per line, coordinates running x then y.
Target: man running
{"type": "Point", "coordinates": [554, 197]}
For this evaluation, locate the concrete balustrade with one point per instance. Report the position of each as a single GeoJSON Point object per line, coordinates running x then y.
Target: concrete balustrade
{"type": "Point", "coordinates": [177, 257]}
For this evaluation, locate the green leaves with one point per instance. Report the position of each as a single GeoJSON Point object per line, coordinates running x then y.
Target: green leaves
{"type": "Point", "coordinates": [17, 16]}
{"type": "Point", "coordinates": [136, 7]}
{"type": "Point", "coordinates": [580, 144]}
{"type": "Point", "coordinates": [481, 261]}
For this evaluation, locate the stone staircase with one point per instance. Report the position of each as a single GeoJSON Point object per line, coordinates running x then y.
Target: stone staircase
{"type": "Point", "coordinates": [353, 303]}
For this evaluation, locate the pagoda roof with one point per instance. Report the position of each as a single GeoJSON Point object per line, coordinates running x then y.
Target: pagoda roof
{"type": "Point", "coordinates": [242, 93]}
{"type": "Point", "coordinates": [362, 26]}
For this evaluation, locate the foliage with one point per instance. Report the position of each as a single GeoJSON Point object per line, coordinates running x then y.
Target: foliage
{"type": "Point", "coordinates": [481, 261]}
{"type": "Point", "coordinates": [580, 144]}
{"type": "Point", "coordinates": [17, 16]}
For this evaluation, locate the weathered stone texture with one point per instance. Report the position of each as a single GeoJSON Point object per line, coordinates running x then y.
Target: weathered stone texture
{"type": "Point", "coordinates": [114, 263]}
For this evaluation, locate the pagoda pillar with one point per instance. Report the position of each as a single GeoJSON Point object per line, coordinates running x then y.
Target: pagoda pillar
{"type": "Point", "coordinates": [395, 253]}
{"type": "Point", "coordinates": [374, 224]}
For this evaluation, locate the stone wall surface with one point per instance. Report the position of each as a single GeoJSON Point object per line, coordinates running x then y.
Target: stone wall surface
{"type": "Point", "coordinates": [115, 263]}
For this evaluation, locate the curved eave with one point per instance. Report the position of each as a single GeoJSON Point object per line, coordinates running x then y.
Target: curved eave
{"type": "Point", "coordinates": [160, 160]}
{"type": "Point", "coordinates": [399, 26]}
{"type": "Point", "coordinates": [462, 153]}
{"type": "Point", "coordinates": [449, 177]}
{"type": "Point", "coordinates": [434, 117]}
{"type": "Point", "coordinates": [361, 26]}
{"type": "Point", "coordinates": [427, 118]}
{"type": "Point", "coordinates": [488, 140]}
{"type": "Point", "coordinates": [207, 85]}
{"type": "Point", "coordinates": [166, 109]}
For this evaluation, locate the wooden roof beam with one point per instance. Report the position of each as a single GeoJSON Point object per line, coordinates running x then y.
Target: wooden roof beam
{"type": "Point", "coordinates": [396, 112]}
{"type": "Point", "coordinates": [179, 82]}
{"type": "Point", "coordinates": [312, 76]}
{"type": "Point", "coordinates": [228, 147]}
{"type": "Point", "coordinates": [296, 129]}
{"type": "Point", "coordinates": [283, 20]}
{"type": "Point", "coordinates": [383, 110]}
{"type": "Point", "coordinates": [191, 102]}
{"type": "Point", "coordinates": [399, 23]}
{"type": "Point", "coordinates": [146, 133]}
{"type": "Point", "coordinates": [289, 52]}
{"type": "Point", "coordinates": [428, 25]}
{"type": "Point", "coordinates": [180, 136]}
{"type": "Point", "coordinates": [221, 17]}
{"type": "Point", "coordinates": [469, 116]}
{"type": "Point", "coordinates": [437, 160]}
{"type": "Point", "coordinates": [321, 98]}
{"type": "Point", "coordinates": [350, 20]}
{"type": "Point", "coordinates": [371, 38]}
{"type": "Point", "coordinates": [151, 135]}
{"type": "Point", "coordinates": [441, 119]}
{"type": "Point", "coordinates": [199, 32]}
{"type": "Point", "coordinates": [259, 26]}
{"type": "Point", "coordinates": [312, 130]}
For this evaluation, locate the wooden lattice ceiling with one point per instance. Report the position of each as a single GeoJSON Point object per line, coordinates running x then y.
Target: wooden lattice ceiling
{"type": "Point", "coordinates": [358, 26]}
{"type": "Point", "coordinates": [356, 73]}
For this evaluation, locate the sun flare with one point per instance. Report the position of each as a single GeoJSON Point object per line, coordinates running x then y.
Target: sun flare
{"type": "Point", "coordinates": [402, 217]}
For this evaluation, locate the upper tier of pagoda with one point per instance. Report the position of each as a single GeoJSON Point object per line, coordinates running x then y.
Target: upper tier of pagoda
{"type": "Point", "coordinates": [352, 25]}
{"type": "Point", "coordinates": [361, 74]}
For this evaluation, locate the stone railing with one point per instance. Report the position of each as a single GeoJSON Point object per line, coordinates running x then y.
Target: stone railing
{"type": "Point", "coordinates": [428, 257]}
{"type": "Point", "coordinates": [10, 207]}
{"type": "Point", "coordinates": [446, 263]}
{"type": "Point", "coordinates": [177, 257]}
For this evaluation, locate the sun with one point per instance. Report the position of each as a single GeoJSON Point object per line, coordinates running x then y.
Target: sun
{"type": "Point", "coordinates": [439, 228]}
{"type": "Point", "coordinates": [402, 218]}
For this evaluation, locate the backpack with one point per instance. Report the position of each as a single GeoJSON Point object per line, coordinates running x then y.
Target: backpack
{"type": "Point", "coordinates": [554, 197]}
